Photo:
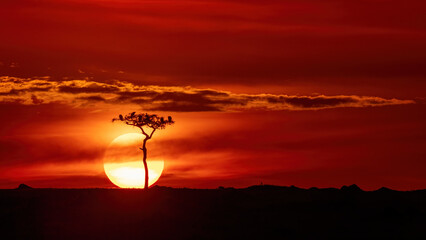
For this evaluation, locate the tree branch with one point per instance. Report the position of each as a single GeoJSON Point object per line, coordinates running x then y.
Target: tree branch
{"type": "Point", "coordinates": [143, 131]}
{"type": "Point", "coordinates": [152, 133]}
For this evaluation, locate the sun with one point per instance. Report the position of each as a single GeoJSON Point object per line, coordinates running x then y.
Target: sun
{"type": "Point", "coordinates": [123, 162]}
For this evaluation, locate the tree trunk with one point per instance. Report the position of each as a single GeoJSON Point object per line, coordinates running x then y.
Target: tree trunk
{"type": "Point", "coordinates": [145, 165]}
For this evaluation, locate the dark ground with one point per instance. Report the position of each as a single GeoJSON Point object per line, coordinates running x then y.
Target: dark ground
{"type": "Point", "coordinates": [258, 212]}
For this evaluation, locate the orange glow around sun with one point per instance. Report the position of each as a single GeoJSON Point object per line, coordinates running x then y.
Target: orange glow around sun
{"type": "Point", "coordinates": [123, 162]}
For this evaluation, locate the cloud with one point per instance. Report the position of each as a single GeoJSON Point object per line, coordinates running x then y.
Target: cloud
{"type": "Point", "coordinates": [93, 87]}
{"type": "Point", "coordinates": [83, 93]}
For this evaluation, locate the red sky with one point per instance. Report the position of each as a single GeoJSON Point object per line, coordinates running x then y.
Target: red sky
{"type": "Point", "coordinates": [305, 93]}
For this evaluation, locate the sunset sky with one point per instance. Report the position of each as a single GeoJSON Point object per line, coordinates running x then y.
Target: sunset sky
{"type": "Point", "coordinates": [285, 92]}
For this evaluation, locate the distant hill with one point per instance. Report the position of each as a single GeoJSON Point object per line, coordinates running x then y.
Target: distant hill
{"type": "Point", "coordinates": [256, 212]}
{"type": "Point", "coordinates": [23, 186]}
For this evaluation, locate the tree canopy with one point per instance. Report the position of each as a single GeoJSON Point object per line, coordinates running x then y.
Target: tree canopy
{"type": "Point", "coordinates": [141, 120]}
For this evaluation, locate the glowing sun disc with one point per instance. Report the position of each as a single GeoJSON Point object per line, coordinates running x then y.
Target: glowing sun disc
{"type": "Point", "coordinates": [123, 162]}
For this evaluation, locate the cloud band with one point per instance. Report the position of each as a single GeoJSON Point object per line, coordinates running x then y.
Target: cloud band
{"type": "Point", "coordinates": [84, 93]}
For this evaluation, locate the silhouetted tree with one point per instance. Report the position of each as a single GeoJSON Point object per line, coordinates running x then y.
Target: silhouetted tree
{"type": "Point", "coordinates": [151, 122]}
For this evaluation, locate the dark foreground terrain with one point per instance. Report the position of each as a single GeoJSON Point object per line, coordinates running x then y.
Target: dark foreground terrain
{"type": "Point", "coordinates": [258, 212]}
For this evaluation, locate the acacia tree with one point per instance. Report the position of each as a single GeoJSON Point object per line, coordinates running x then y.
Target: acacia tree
{"type": "Point", "coordinates": [151, 122]}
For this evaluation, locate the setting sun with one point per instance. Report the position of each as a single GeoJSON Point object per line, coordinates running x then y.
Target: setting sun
{"type": "Point", "coordinates": [123, 163]}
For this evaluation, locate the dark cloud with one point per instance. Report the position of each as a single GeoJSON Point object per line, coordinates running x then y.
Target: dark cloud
{"type": "Point", "coordinates": [39, 89]}
{"type": "Point", "coordinates": [201, 98]}
{"type": "Point", "coordinates": [212, 93]}
{"type": "Point", "coordinates": [10, 92]}
{"type": "Point", "coordinates": [92, 88]}
{"type": "Point", "coordinates": [92, 98]}
{"type": "Point", "coordinates": [129, 95]}
{"type": "Point", "coordinates": [35, 100]}
{"type": "Point", "coordinates": [20, 91]}
{"type": "Point", "coordinates": [317, 102]}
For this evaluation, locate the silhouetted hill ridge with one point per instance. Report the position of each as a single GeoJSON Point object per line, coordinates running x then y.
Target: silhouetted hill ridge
{"type": "Point", "coordinates": [255, 212]}
{"type": "Point", "coordinates": [23, 186]}
{"type": "Point", "coordinates": [353, 188]}
{"type": "Point", "coordinates": [350, 188]}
